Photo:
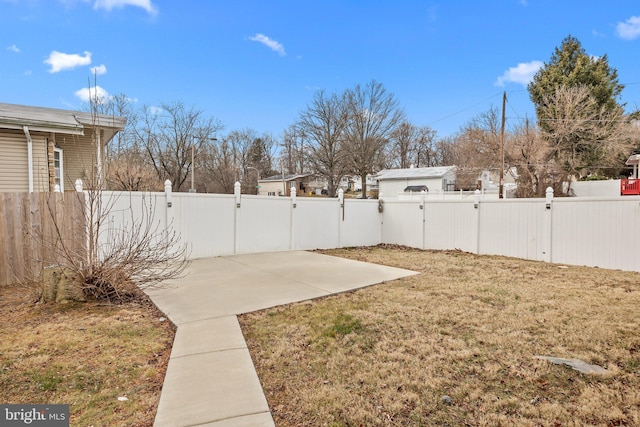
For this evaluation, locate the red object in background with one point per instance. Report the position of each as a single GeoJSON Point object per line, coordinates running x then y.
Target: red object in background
{"type": "Point", "coordinates": [630, 187]}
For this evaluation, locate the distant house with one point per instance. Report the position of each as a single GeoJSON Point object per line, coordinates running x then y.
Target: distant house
{"type": "Point", "coordinates": [46, 149]}
{"type": "Point", "coordinates": [277, 185]}
{"type": "Point", "coordinates": [393, 182]}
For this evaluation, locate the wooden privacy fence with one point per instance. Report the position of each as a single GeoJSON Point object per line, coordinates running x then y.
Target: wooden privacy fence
{"type": "Point", "coordinates": [34, 229]}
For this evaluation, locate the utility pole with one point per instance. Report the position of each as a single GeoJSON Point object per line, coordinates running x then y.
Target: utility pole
{"type": "Point", "coordinates": [501, 187]}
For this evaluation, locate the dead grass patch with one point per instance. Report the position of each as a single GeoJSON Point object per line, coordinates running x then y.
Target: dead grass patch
{"type": "Point", "coordinates": [86, 355]}
{"type": "Point", "coordinates": [468, 328]}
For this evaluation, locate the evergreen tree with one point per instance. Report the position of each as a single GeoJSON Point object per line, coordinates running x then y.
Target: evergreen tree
{"type": "Point", "coordinates": [571, 66]}
{"type": "Point", "coordinates": [579, 115]}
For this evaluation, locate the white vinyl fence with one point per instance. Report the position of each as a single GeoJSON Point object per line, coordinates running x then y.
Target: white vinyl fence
{"type": "Point", "coordinates": [220, 224]}
{"type": "Point", "coordinates": [578, 231]}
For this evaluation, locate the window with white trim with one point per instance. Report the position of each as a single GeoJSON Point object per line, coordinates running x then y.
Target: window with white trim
{"type": "Point", "coordinates": [58, 175]}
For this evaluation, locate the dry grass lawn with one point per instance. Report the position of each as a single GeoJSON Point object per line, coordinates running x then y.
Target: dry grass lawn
{"type": "Point", "coordinates": [455, 346]}
{"type": "Point", "coordinates": [86, 355]}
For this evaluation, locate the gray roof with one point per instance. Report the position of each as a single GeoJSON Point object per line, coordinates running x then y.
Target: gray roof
{"type": "Point", "coordinates": [633, 160]}
{"type": "Point", "coordinates": [409, 173]}
{"type": "Point", "coordinates": [14, 116]}
{"type": "Point", "coordinates": [286, 178]}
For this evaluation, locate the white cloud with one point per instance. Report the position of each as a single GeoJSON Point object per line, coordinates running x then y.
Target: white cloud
{"type": "Point", "coordinates": [13, 48]}
{"type": "Point", "coordinates": [66, 61]}
{"type": "Point", "coordinates": [96, 92]}
{"type": "Point", "coordinates": [271, 44]}
{"type": "Point", "coordinates": [156, 111]}
{"type": "Point", "coordinates": [98, 70]}
{"type": "Point", "coordinates": [630, 29]}
{"type": "Point", "coordinates": [111, 4]}
{"type": "Point", "coordinates": [522, 73]}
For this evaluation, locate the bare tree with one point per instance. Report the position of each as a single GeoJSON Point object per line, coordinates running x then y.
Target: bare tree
{"type": "Point", "coordinates": [323, 123]}
{"type": "Point", "coordinates": [373, 115]}
{"type": "Point", "coordinates": [172, 136]}
{"type": "Point", "coordinates": [582, 136]}
{"type": "Point", "coordinates": [476, 147]}
{"type": "Point", "coordinates": [528, 153]}
{"type": "Point", "coordinates": [412, 146]}
{"type": "Point", "coordinates": [295, 149]}
{"type": "Point", "coordinates": [128, 169]}
{"type": "Point", "coordinates": [403, 145]}
{"type": "Point", "coordinates": [425, 148]}
{"type": "Point", "coordinates": [218, 165]}
{"type": "Point", "coordinates": [115, 264]}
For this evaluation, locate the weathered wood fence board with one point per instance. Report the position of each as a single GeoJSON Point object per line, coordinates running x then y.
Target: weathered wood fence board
{"type": "Point", "coordinates": [34, 227]}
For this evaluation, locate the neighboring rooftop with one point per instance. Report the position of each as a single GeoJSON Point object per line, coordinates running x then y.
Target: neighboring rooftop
{"type": "Point", "coordinates": [433, 172]}
{"type": "Point", "coordinates": [286, 177]}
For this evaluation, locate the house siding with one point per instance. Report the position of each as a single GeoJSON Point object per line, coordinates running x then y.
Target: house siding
{"type": "Point", "coordinates": [393, 187]}
{"type": "Point", "coordinates": [14, 161]}
{"type": "Point", "coordinates": [79, 158]}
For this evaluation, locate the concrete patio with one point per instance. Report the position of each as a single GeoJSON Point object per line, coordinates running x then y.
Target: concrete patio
{"type": "Point", "coordinates": [211, 380]}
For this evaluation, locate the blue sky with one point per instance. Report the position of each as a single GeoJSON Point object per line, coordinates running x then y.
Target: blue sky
{"type": "Point", "coordinates": [257, 64]}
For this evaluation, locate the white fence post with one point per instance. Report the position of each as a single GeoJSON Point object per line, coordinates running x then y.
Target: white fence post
{"type": "Point", "coordinates": [292, 218]}
{"type": "Point", "coordinates": [477, 195]}
{"type": "Point", "coordinates": [169, 204]}
{"type": "Point", "coordinates": [548, 226]}
{"type": "Point", "coordinates": [78, 185]}
{"type": "Point", "coordinates": [340, 217]}
{"type": "Point", "coordinates": [237, 189]}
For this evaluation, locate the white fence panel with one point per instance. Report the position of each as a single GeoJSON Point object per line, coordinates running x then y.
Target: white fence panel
{"type": "Point", "coordinates": [263, 224]}
{"type": "Point", "coordinates": [206, 222]}
{"type": "Point", "coordinates": [361, 223]}
{"type": "Point", "coordinates": [514, 227]}
{"type": "Point", "coordinates": [594, 232]}
{"type": "Point", "coordinates": [597, 232]}
{"type": "Point", "coordinates": [451, 225]}
{"type": "Point", "coordinates": [315, 224]}
{"type": "Point", "coordinates": [402, 223]}
{"type": "Point", "coordinates": [125, 211]}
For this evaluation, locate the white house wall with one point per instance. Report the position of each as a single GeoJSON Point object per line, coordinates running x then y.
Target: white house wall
{"type": "Point", "coordinates": [393, 187]}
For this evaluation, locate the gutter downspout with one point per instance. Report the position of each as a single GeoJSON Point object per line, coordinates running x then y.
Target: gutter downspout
{"type": "Point", "coordinates": [99, 157]}
{"type": "Point", "coordinates": [29, 156]}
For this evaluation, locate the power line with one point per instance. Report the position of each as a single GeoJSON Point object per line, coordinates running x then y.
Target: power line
{"type": "Point", "coordinates": [465, 109]}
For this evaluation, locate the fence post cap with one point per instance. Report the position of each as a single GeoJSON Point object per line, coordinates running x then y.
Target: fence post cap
{"type": "Point", "coordinates": [78, 185]}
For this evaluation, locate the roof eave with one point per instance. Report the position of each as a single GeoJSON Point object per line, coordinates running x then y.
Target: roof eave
{"type": "Point", "coordinates": [39, 126]}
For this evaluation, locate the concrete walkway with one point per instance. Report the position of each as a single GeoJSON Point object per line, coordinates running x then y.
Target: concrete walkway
{"type": "Point", "coordinates": [211, 380]}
